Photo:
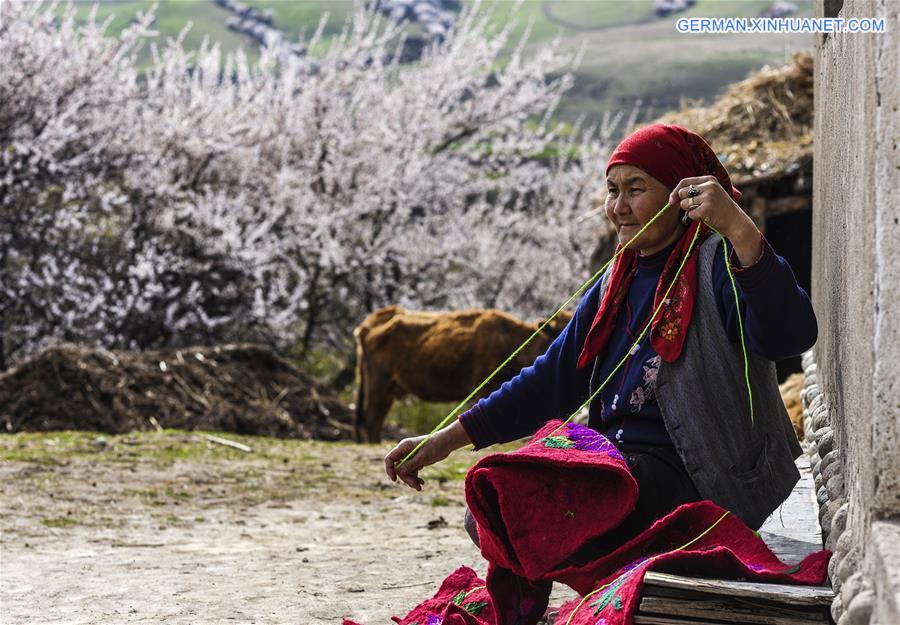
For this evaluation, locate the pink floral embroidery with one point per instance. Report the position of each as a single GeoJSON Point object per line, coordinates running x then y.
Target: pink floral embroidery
{"type": "Point", "coordinates": [642, 394]}
{"type": "Point", "coordinates": [651, 369]}
{"type": "Point", "coordinates": [638, 398]}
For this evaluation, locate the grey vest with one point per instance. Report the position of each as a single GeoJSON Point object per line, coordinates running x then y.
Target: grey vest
{"type": "Point", "coordinates": [747, 469]}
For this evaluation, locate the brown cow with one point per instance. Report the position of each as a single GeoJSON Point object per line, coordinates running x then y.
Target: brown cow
{"type": "Point", "coordinates": [437, 356]}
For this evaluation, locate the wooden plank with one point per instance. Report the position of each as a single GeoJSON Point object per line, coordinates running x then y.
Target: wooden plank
{"type": "Point", "coordinates": [659, 619]}
{"type": "Point", "coordinates": [733, 611]}
{"type": "Point", "coordinates": [781, 593]}
{"type": "Point", "coordinates": [792, 532]}
{"type": "Point", "coordinates": [681, 595]}
{"type": "Point", "coordinates": [653, 619]}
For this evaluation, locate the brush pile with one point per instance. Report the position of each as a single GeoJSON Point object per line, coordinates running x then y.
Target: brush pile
{"type": "Point", "coordinates": [245, 389]}
{"type": "Point", "coordinates": [761, 126]}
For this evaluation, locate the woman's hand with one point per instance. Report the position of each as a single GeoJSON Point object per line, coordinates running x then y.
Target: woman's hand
{"type": "Point", "coordinates": [435, 449]}
{"type": "Point", "coordinates": [714, 206]}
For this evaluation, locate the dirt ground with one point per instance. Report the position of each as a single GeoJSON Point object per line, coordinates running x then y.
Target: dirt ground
{"type": "Point", "coordinates": [168, 527]}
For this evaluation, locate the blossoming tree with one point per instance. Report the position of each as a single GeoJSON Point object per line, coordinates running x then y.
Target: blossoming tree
{"type": "Point", "coordinates": [206, 199]}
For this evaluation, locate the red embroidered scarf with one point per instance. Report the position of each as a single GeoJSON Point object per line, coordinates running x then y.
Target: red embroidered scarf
{"type": "Point", "coordinates": [669, 327]}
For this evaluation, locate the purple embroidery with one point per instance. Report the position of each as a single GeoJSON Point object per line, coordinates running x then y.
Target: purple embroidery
{"type": "Point", "coordinates": [756, 567]}
{"type": "Point", "coordinates": [586, 439]}
{"type": "Point", "coordinates": [434, 619]}
{"type": "Point", "coordinates": [634, 565]}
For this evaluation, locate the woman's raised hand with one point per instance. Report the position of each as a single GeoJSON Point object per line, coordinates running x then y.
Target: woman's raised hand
{"type": "Point", "coordinates": [714, 206]}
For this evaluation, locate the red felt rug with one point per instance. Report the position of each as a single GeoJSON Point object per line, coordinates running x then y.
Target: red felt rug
{"type": "Point", "coordinates": [535, 507]}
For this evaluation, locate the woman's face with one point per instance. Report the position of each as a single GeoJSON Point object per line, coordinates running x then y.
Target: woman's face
{"type": "Point", "coordinates": [633, 198]}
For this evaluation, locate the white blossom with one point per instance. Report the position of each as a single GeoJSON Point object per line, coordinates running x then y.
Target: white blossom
{"type": "Point", "coordinates": [210, 199]}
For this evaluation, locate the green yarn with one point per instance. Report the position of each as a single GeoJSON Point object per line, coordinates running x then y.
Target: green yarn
{"type": "Point", "coordinates": [640, 337]}
{"type": "Point", "coordinates": [602, 602]}
{"type": "Point", "coordinates": [458, 599]}
{"type": "Point", "coordinates": [737, 307]}
{"type": "Point", "coordinates": [609, 594]}
{"type": "Point", "coordinates": [578, 292]}
{"type": "Point", "coordinates": [560, 442]}
{"type": "Point", "coordinates": [656, 312]}
{"type": "Point", "coordinates": [475, 607]}
{"type": "Point", "coordinates": [610, 588]}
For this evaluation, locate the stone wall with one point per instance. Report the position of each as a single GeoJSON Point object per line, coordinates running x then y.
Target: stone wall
{"type": "Point", "coordinates": [853, 373]}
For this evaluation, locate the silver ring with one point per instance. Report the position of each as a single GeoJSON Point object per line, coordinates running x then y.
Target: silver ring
{"type": "Point", "coordinates": [693, 191]}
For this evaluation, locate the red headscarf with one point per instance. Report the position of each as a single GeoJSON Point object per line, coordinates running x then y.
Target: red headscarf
{"type": "Point", "coordinates": [669, 153]}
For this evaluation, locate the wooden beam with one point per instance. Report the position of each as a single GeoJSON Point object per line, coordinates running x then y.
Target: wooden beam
{"type": "Point", "coordinates": [788, 204]}
{"type": "Point", "coordinates": [781, 593]}
{"type": "Point", "coordinates": [659, 619]}
{"type": "Point", "coordinates": [792, 532]}
{"type": "Point", "coordinates": [732, 611]}
{"type": "Point", "coordinates": [653, 619]}
{"type": "Point", "coordinates": [802, 167]}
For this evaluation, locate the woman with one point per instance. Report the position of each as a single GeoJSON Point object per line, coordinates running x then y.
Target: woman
{"type": "Point", "coordinates": [678, 407]}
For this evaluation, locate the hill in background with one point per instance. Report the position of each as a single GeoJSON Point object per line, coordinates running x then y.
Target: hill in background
{"type": "Point", "coordinates": [631, 53]}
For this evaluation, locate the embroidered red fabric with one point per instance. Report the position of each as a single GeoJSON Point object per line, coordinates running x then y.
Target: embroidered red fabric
{"type": "Point", "coordinates": [669, 328]}
{"type": "Point", "coordinates": [550, 481]}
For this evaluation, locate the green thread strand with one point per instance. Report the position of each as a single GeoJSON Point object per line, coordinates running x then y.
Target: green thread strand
{"type": "Point", "coordinates": [656, 312]}
{"type": "Point", "coordinates": [475, 607]}
{"type": "Point", "coordinates": [640, 337]}
{"type": "Point", "coordinates": [628, 354]}
{"type": "Point", "coordinates": [622, 576]}
{"type": "Point", "coordinates": [737, 307]}
{"type": "Point", "coordinates": [578, 292]}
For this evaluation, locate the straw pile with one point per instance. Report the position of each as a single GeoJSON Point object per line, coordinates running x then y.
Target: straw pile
{"type": "Point", "coordinates": [245, 389]}
{"type": "Point", "coordinates": [761, 126]}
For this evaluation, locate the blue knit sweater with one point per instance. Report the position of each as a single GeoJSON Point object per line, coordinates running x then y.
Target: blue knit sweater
{"type": "Point", "coordinates": [778, 322]}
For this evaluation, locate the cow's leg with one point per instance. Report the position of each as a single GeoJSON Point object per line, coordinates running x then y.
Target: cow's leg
{"type": "Point", "coordinates": [373, 394]}
{"type": "Point", "coordinates": [359, 420]}
{"type": "Point", "coordinates": [379, 398]}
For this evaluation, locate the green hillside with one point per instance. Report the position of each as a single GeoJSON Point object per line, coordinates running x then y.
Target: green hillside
{"type": "Point", "coordinates": [630, 54]}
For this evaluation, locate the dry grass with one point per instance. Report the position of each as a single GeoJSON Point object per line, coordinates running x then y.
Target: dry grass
{"type": "Point", "coordinates": [761, 126]}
